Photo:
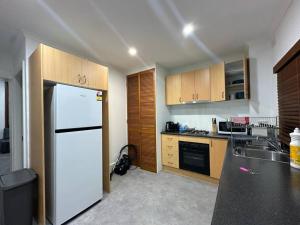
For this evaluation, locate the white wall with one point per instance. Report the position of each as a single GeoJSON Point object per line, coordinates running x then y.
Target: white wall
{"type": "Point", "coordinates": [288, 32]}
{"type": "Point", "coordinates": [117, 113]}
{"type": "Point", "coordinates": [263, 83]}
{"type": "Point", "coordinates": [16, 121]}
{"type": "Point", "coordinates": [2, 107]}
{"type": "Point", "coordinates": [6, 67]}
{"type": "Point", "coordinates": [10, 65]}
{"type": "Point", "coordinates": [199, 116]}
{"type": "Point", "coordinates": [30, 45]}
{"type": "Point", "coordinates": [162, 111]}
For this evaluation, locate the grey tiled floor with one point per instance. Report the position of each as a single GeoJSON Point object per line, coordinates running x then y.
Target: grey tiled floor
{"type": "Point", "coordinates": [144, 198]}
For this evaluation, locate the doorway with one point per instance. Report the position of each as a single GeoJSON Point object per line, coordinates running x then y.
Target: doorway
{"type": "Point", "coordinates": [5, 152]}
{"type": "Point", "coordinates": [11, 124]}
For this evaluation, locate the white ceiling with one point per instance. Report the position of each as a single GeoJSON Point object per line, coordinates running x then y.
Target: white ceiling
{"type": "Point", "coordinates": [104, 29]}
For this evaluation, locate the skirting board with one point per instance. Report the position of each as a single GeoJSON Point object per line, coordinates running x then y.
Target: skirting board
{"type": "Point", "coordinates": [189, 174]}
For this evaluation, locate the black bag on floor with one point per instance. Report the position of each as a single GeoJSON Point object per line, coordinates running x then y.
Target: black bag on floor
{"type": "Point", "coordinates": [123, 165]}
{"type": "Point", "coordinates": [124, 160]}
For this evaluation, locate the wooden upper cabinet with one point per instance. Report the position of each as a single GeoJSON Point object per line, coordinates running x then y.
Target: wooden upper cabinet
{"type": "Point", "coordinates": [173, 89]}
{"type": "Point", "coordinates": [202, 85]}
{"type": "Point", "coordinates": [73, 68]}
{"type": "Point", "coordinates": [95, 75]}
{"type": "Point", "coordinates": [62, 67]}
{"type": "Point", "coordinates": [50, 67]}
{"type": "Point", "coordinates": [188, 86]}
{"type": "Point", "coordinates": [217, 81]}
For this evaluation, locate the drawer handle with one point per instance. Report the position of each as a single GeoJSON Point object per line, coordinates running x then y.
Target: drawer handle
{"type": "Point", "coordinates": [170, 154]}
{"type": "Point", "coordinates": [170, 139]}
{"type": "Point", "coordinates": [170, 146]}
{"type": "Point", "coordinates": [170, 163]}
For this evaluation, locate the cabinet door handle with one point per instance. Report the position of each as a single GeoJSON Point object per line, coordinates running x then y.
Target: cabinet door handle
{"type": "Point", "coordinates": [222, 94]}
{"type": "Point", "coordinates": [193, 96]}
{"type": "Point", "coordinates": [79, 78]}
{"type": "Point", "coordinates": [84, 79]}
{"type": "Point", "coordinates": [180, 99]}
{"type": "Point", "coordinates": [197, 96]}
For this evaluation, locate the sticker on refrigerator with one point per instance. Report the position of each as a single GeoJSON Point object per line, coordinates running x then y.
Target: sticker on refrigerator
{"type": "Point", "coordinates": [99, 96]}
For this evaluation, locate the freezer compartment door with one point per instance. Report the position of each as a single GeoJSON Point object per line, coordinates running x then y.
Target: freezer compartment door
{"type": "Point", "coordinates": [76, 107]}
{"type": "Point", "coordinates": [78, 172]}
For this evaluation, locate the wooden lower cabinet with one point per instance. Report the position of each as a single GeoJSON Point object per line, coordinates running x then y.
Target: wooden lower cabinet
{"type": "Point", "coordinates": [170, 151]}
{"type": "Point", "coordinates": [217, 151]}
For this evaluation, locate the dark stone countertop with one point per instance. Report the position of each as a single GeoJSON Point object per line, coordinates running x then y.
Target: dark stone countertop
{"type": "Point", "coordinates": [271, 197]}
{"type": "Point", "coordinates": [209, 135]}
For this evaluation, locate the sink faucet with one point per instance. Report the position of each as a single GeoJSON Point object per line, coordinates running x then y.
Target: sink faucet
{"type": "Point", "coordinates": [273, 141]}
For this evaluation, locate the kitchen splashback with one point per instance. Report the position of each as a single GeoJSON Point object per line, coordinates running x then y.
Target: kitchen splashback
{"type": "Point", "coordinates": [199, 116]}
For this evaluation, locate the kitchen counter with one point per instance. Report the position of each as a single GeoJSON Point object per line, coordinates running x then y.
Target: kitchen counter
{"type": "Point", "coordinates": [269, 197]}
{"type": "Point", "coordinates": [209, 135]}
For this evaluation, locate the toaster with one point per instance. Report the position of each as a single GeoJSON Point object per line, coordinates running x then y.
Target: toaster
{"type": "Point", "coordinates": [172, 127]}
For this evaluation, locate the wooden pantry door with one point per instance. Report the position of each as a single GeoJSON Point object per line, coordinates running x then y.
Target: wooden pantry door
{"type": "Point", "coordinates": [142, 118]}
{"type": "Point", "coordinates": [133, 114]}
{"type": "Point", "coordinates": [148, 120]}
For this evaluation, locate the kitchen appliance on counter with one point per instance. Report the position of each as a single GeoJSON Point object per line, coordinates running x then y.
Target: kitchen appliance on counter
{"type": "Point", "coordinates": [172, 127]}
{"type": "Point", "coordinates": [229, 127]}
{"type": "Point", "coordinates": [194, 157]}
{"type": "Point", "coordinates": [73, 143]}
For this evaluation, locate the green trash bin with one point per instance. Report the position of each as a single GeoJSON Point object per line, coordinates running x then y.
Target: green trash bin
{"type": "Point", "coordinates": [18, 191]}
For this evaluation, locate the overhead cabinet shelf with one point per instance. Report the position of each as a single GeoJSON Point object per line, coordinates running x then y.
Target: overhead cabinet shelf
{"type": "Point", "coordinates": [61, 67]}
{"type": "Point", "coordinates": [219, 82]}
{"type": "Point", "coordinates": [241, 85]}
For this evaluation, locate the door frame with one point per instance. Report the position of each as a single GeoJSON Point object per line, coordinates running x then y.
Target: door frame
{"type": "Point", "coordinates": [13, 113]}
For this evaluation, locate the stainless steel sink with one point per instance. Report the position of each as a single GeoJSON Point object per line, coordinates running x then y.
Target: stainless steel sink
{"type": "Point", "coordinates": [260, 153]}
{"type": "Point", "coordinates": [259, 147]}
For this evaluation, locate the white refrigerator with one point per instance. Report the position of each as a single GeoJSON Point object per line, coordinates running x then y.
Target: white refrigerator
{"type": "Point", "coordinates": [73, 143]}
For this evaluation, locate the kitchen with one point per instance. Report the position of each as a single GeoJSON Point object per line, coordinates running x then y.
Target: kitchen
{"type": "Point", "coordinates": [184, 94]}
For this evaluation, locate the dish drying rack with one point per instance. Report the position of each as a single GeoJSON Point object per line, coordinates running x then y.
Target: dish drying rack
{"type": "Point", "coordinates": [255, 122]}
{"type": "Point", "coordinates": [257, 126]}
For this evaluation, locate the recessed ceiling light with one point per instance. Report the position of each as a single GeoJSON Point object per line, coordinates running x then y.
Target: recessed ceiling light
{"type": "Point", "coordinates": [188, 29]}
{"type": "Point", "coordinates": [132, 51]}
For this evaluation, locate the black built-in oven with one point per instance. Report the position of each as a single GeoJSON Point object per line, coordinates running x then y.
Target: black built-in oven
{"type": "Point", "coordinates": [194, 157]}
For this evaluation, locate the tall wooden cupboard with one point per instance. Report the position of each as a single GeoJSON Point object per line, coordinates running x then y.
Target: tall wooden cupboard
{"type": "Point", "coordinates": [48, 66]}
{"type": "Point", "coordinates": [142, 118]}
